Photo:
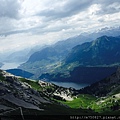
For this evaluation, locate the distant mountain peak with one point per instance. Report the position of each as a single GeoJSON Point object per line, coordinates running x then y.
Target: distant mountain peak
{"type": "Point", "coordinates": [102, 51]}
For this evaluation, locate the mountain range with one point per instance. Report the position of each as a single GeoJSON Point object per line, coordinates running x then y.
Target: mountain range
{"type": "Point", "coordinates": [39, 62]}
{"type": "Point", "coordinates": [85, 63]}
{"type": "Point", "coordinates": [88, 62]}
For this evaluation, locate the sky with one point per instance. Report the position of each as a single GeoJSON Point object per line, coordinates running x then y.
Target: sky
{"type": "Point", "coordinates": [26, 23]}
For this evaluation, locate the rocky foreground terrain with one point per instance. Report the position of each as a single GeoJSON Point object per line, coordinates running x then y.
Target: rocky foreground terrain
{"type": "Point", "coordinates": [25, 97]}
{"type": "Point", "coordinates": [32, 97]}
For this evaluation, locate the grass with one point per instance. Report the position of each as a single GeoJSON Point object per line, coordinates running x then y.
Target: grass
{"type": "Point", "coordinates": [2, 78]}
{"type": "Point", "coordinates": [83, 101]}
{"type": "Point", "coordinates": [99, 105]}
{"type": "Point", "coordinates": [34, 84]}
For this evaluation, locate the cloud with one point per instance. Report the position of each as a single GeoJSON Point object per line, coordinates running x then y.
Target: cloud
{"type": "Point", "coordinates": [9, 8]}
{"type": "Point", "coordinates": [47, 21]}
{"type": "Point", "coordinates": [68, 8]}
{"type": "Point", "coordinates": [9, 14]}
{"type": "Point", "coordinates": [108, 6]}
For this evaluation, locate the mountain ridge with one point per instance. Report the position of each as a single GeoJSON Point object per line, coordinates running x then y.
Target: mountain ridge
{"type": "Point", "coordinates": [88, 59]}
{"type": "Point", "coordinates": [103, 50]}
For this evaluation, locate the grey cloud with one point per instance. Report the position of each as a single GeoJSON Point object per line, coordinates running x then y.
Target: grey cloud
{"type": "Point", "coordinates": [101, 20]}
{"type": "Point", "coordinates": [71, 7]}
{"type": "Point", "coordinates": [106, 2]}
{"type": "Point", "coordinates": [108, 10]}
{"type": "Point", "coordinates": [9, 8]}
{"type": "Point", "coordinates": [108, 6]}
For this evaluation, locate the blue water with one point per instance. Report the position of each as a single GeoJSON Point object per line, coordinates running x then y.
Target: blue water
{"type": "Point", "coordinates": [8, 65]}
{"type": "Point", "coordinates": [70, 84]}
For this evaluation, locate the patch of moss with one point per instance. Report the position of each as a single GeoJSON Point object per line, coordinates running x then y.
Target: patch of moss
{"type": "Point", "coordinates": [34, 84]}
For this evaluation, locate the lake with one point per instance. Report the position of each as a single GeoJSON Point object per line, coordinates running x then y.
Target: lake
{"type": "Point", "coordinates": [8, 65]}
{"type": "Point", "coordinates": [70, 84]}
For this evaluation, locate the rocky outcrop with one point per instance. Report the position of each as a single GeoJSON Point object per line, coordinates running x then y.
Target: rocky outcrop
{"type": "Point", "coordinates": [58, 92]}
{"type": "Point", "coordinates": [14, 93]}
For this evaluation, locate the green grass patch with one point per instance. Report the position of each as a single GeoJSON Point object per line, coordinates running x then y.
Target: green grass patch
{"type": "Point", "coordinates": [106, 105]}
{"type": "Point", "coordinates": [34, 84]}
{"type": "Point", "coordinates": [82, 101]}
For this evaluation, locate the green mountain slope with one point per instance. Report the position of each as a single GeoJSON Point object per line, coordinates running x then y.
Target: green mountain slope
{"type": "Point", "coordinates": [102, 51]}
{"type": "Point", "coordinates": [88, 62]}
{"type": "Point", "coordinates": [57, 59]}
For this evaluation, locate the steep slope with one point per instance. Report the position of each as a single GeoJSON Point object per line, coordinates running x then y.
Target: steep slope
{"type": "Point", "coordinates": [102, 97]}
{"type": "Point", "coordinates": [12, 87]}
{"type": "Point", "coordinates": [33, 98]}
{"type": "Point", "coordinates": [107, 86]}
{"type": "Point", "coordinates": [45, 54]}
{"type": "Point", "coordinates": [102, 51]}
